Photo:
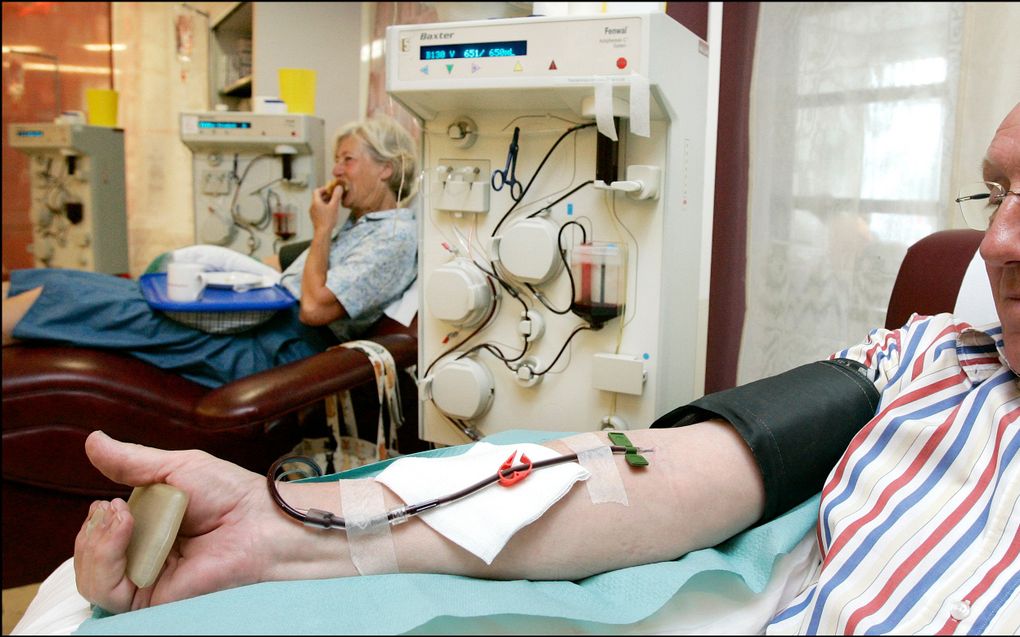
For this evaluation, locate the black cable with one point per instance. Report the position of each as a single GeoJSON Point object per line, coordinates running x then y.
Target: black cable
{"type": "Point", "coordinates": [562, 349]}
{"type": "Point", "coordinates": [511, 290]}
{"type": "Point", "coordinates": [575, 189]}
{"type": "Point", "coordinates": [541, 299]}
{"type": "Point", "coordinates": [570, 274]}
{"type": "Point", "coordinates": [240, 180]}
{"type": "Point", "coordinates": [492, 312]}
{"type": "Point", "coordinates": [538, 170]}
{"type": "Point", "coordinates": [498, 353]}
{"type": "Point", "coordinates": [464, 428]}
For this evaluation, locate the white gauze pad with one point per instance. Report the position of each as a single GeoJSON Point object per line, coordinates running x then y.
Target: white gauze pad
{"type": "Point", "coordinates": [484, 522]}
{"type": "Point", "coordinates": [605, 483]}
{"type": "Point", "coordinates": [368, 533]}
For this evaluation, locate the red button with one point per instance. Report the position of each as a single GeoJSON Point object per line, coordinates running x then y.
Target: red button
{"type": "Point", "coordinates": [621, 63]}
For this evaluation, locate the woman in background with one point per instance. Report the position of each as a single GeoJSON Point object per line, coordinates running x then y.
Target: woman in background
{"type": "Point", "coordinates": [343, 280]}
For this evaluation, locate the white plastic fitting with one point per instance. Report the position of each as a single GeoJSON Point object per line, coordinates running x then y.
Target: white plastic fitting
{"type": "Point", "coordinates": [643, 182]}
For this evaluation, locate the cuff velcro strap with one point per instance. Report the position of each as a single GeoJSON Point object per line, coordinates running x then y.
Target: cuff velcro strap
{"type": "Point", "coordinates": [797, 424]}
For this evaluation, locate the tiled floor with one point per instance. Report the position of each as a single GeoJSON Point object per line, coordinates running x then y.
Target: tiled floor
{"type": "Point", "coordinates": [15, 601]}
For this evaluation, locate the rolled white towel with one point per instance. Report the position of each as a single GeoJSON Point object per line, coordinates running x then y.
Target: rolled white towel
{"type": "Point", "coordinates": [220, 259]}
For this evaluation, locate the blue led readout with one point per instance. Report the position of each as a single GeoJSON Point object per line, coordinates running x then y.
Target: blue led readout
{"type": "Point", "coordinates": [30, 133]}
{"type": "Point", "coordinates": [210, 124]}
{"type": "Point", "coordinates": [475, 50]}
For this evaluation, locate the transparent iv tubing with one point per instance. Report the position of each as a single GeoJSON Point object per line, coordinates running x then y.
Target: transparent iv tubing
{"type": "Point", "coordinates": [611, 204]}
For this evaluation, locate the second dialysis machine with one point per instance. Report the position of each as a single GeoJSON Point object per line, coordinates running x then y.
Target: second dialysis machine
{"type": "Point", "coordinates": [564, 247]}
{"type": "Point", "coordinates": [254, 174]}
{"type": "Point", "coordinates": [79, 211]}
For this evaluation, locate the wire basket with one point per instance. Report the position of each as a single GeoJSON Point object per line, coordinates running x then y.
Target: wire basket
{"type": "Point", "coordinates": [222, 322]}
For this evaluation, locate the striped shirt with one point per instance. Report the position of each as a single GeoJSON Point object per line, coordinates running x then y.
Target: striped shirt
{"type": "Point", "coordinates": [919, 522]}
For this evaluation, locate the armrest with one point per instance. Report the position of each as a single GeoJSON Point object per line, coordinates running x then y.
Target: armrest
{"type": "Point", "coordinates": [39, 375]}
{"type": "Point", "coordinates": [281, 390]}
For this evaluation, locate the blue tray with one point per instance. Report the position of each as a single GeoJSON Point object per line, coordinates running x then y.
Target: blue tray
{"type": "Point", "coordinates": [214, 299]}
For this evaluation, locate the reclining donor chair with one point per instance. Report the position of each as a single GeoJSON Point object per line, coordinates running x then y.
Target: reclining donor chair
{"type": "Point", "coordinates": [54, 396]}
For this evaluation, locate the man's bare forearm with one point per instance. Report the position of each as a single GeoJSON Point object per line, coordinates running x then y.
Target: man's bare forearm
{"type": "Point", "coordinates": [702, 486]}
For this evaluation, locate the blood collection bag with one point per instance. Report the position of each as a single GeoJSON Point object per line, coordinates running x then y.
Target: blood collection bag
{"type": "Point", "coordinates": [284, 222]}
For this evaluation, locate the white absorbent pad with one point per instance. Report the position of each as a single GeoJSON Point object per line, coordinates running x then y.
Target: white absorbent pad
{"type": "Point", "coordinates": [484, 522]}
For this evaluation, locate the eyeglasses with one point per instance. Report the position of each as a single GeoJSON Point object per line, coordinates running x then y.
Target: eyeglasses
{"type": "Point", "coordinates": [979, 201]}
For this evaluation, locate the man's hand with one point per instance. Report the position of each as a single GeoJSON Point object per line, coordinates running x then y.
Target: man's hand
{"type": "Point", "coordinates": [218, 543]}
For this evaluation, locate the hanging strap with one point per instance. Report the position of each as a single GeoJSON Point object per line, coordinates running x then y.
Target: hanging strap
{"type": "Point", "coordinates": [388, 386]}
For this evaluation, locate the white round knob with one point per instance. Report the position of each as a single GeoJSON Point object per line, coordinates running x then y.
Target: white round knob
{"type": "Point", "coordinates": [463, 388]}
{"type": "Point", "coordinates": [529, 250]}
{"type": "Point", "coordinates": [215, 230]}
{"type": "Point", "coordinates": [459, 293]}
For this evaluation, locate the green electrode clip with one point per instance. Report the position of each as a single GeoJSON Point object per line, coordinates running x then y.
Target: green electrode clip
{"type": "Point", "coordinates": [632, 456]}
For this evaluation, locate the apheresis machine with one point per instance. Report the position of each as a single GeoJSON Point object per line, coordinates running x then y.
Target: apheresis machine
{"type": "Point", "coordinates": [254, 174]}
{"type": "Point", "coordinates": [79, 212]}
{"type": "Point", "coordinates": [564, 247]}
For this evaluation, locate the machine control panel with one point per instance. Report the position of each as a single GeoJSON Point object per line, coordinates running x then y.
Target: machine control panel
{"type": "Point", "coordinates": [42, 135]}
{"type": "Point", "coordinates": [552, 49]}
{"type": "Point", "coordinates": [241, 129]}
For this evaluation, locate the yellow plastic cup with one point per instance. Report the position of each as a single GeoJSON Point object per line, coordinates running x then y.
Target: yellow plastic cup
{"type": "Point", "coordinates": [297, 90]}
{"type": "Point", "coordinates": [102, 106]}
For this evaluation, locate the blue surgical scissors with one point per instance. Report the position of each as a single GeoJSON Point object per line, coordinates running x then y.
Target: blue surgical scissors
{"type": "Point", "coordinates": [508, 176]}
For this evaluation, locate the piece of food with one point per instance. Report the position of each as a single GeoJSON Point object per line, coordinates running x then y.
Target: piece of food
{"type": "Point", "coordinates": [330, 187]}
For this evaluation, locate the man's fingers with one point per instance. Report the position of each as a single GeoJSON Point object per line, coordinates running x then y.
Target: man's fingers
{"type": "Point", "coordinates": [100, 556]}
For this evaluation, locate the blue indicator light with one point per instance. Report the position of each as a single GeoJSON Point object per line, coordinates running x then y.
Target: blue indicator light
{"type": "Point", "coordinates": [30, 133]}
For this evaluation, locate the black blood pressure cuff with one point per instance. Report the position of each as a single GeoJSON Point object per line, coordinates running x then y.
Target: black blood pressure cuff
{"type": "Point", "coordinates": [797, 424]}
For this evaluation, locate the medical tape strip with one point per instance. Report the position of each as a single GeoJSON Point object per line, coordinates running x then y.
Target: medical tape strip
{"type": "Point", "coordinates": [368, 531]}
{"type": "Point", "coordinates": [605, 483]}
{"type": "Point", "coordinates": [639, 105]}
{"type": "Point", "coordinates": [604, 108]}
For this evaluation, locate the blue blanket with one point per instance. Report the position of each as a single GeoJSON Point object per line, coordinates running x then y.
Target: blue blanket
{"type": "Point", "coordinates": [390, 604]}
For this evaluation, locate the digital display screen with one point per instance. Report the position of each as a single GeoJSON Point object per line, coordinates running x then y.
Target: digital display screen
{"type": "Point", "coordinates": [476, 50]}
{"type": "Point", "coordinates": [208, 124]}
{"type": "Point", "coordinates": [30, 133]}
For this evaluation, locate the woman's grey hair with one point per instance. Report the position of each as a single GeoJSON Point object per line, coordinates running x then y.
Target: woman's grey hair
{"type": "Point", "coordinates": [387, 142]}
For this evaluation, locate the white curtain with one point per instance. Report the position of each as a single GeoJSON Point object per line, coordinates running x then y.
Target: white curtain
{"type": "Point", "coordinates": [851, 136]}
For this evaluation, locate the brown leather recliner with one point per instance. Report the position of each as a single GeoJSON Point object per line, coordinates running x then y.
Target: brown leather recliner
{"type": "Point", "coordinates": [54, 396]}
{"type": "Point", "coordinates": [929, 278]}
